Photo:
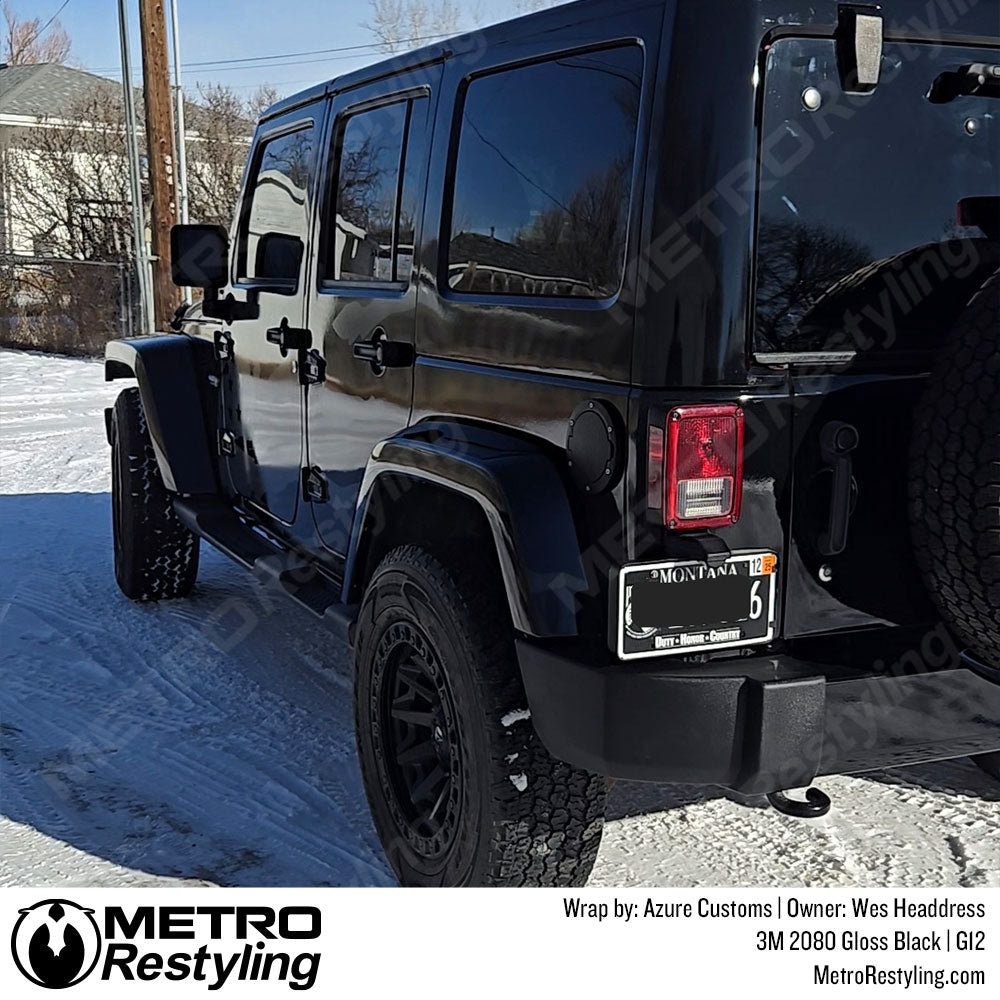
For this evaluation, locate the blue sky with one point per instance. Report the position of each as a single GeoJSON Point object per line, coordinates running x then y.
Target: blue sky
{"type": "Point", "coordinates": [215, 30]}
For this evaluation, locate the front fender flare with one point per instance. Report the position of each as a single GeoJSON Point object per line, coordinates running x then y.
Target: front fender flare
{"type": "Point", "coordinates": [168, 369]}
{"type": "Point", "coordinates": [525, 504]}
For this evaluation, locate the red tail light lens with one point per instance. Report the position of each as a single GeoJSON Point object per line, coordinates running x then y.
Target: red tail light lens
{"type": "Point", "coordinates": [702, 475]}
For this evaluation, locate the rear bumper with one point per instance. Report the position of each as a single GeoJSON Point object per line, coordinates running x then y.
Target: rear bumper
{"type": "Point", "coordinates": [756, 725]}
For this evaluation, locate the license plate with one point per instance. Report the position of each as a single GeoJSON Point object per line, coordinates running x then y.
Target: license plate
{"type": "Point", "coordinates": [691, 607]}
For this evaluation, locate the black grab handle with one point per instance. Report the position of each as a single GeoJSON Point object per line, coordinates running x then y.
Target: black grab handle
{"type": "Point", "coordinates": [836, 442]}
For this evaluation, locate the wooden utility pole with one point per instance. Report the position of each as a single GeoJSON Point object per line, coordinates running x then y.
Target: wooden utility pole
{"type": "Point", "coordinates": [160, 146]}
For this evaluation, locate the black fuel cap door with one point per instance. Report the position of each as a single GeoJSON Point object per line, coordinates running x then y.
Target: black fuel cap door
{"type": "Point", "coordinates": [594, 447]}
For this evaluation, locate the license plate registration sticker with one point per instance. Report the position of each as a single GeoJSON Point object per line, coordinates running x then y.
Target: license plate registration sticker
{"type": "Point", "coordinates": [691, 607]}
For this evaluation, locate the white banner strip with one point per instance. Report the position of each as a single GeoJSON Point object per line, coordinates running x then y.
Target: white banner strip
{"type": "Point", "coordinates": [480, 943]}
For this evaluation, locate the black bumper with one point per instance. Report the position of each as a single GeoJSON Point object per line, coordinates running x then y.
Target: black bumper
{"type": "Point", "coordinates": [757, 724]}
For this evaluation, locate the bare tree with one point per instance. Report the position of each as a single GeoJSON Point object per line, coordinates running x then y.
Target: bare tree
{"type": "Point", "coordinates": [260, 100]}
{"type": "Point", "coordinates": [32, 41]}
{"type": "Point", "coordinates": [529, 6]}
{"type": "Point", "coordinates": [71, 180]}
{"type": "Point", "coordinates": [797, 264]}
{"type": "Point", "coordinates": [221, 126]}
{"type": "Point", "coordinates": [403, 24]}
{"type": "Point", "coordinates": [71, 210]}
{"type": "Point", "coordinates": [71, 206]}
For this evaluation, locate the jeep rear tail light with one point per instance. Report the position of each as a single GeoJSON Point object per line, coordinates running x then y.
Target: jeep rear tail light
{"type": "Point", "coordinates": [702, 466]}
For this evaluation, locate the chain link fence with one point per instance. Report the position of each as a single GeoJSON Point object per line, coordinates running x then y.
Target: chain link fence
{"type": "Point", "coordinates": [66, 306]}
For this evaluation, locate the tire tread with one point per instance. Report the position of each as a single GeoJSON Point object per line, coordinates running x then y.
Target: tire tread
{"type": "Point", "coordinates": [549, 833]}
{"type": "Point", "coordinates": [955, 479]}
{"type": "Point", "coordinates": [156, 557]}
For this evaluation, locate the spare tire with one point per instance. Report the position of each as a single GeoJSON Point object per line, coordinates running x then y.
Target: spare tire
{"type": "Point", "coordinates": [955, 477]}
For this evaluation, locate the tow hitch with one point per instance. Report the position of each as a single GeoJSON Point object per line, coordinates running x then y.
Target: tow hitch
{"type": "Point", "coordinates": [817, 804]}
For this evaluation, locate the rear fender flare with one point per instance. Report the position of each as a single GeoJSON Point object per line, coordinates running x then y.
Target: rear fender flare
{"type": "Point", "coordinates": [524, 503]}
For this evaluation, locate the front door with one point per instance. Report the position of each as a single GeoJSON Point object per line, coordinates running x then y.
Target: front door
{"type": "Point", "coordinates": [261, 438]}
{"type": "Point", "coordinates": [365, 293]}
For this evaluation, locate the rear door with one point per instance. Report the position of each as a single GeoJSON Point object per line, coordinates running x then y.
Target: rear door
{"type": "Point", "coordinates": [363, 303]}
{"type": "Point", "coordinates": [871, 235]}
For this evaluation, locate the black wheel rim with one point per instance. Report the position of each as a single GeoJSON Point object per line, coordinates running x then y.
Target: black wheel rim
{"type": "Point", "coordinates": [417, 741]}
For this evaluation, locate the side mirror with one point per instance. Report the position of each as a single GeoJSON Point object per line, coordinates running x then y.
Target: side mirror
{"type": "Point", "coordinates": [199, 256]}
{"type": "Point", "coordinates": [278, 261]}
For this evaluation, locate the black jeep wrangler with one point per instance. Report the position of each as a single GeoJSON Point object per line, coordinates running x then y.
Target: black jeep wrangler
{"type": "Point", "coordinates": [623, 383]}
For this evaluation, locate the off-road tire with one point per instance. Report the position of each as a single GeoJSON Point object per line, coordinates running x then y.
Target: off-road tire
{"type": "Point", "coordinates": [990, 763]}
{"type": "Point", "coordinates": [522, 817]}
{"type": "Point", "coordinates": [955, 478]}
{"type": "Point", "coordinates": [156, 557]}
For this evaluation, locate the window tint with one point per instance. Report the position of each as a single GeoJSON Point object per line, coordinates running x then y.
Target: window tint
{"type": "Point", "coordinates": [368, 180]}
{"type": "Point", "coordinates": [375, 215]}
{"type": "Point", "coordinates": [276, 219]}
{"type": "Point", "coordinates": [869, 238]}
{"type": "Point", "coordinates": [543, 177]}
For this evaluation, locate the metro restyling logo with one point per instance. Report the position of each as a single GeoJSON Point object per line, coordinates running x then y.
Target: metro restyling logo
{"type": "Point", "coordinates": [57, 943]}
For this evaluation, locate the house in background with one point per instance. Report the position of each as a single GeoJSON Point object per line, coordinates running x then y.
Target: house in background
{"type": "Point", "coordinates": [84, 213]}
{"type": "Point", "coordinates": [34, 98]}
{"type": "Point", "coordinates": [66, 231]}
{"type": "Point", "coordinates": [67, 276]}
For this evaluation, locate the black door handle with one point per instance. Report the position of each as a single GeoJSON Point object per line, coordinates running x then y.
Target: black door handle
{"type": "Point", "coordinates": [382, 353]}
{"type": "Point", "coordinates": [836, 442]}
{"type": "Point", "coordinates": [289, 338]}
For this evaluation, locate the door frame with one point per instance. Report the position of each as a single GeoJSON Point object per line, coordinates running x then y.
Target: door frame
{"type": "Point", "coordinates": [423, 82]}
{"type": "Point", "coordinates": [312, 114]}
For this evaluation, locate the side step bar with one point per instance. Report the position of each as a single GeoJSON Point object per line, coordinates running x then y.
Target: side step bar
{"type": "Point", "coordinates": [294, 576]}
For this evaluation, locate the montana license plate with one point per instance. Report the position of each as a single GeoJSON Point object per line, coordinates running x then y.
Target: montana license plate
{"type": "Point", "coordinates": [691, 607]}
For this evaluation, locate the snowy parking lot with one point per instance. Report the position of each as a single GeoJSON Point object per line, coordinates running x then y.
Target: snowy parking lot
{"type": "Point", "coordinates": [167, 744]}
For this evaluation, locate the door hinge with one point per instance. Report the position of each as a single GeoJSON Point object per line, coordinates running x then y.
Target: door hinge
{"type": "Point", "coordinates": [223, 345]}
{"type": "Point", "coordinates": [315, 488]}
{"type": "Point", "coordinates": [312, 368]}
{"type": "Point", "coordinates": [227, 443]}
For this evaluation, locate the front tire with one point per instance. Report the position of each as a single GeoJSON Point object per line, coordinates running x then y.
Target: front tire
{"type": "Point", "coordinates": [156, 557]}
{"type": "Point", "coordinates": [461, 790]}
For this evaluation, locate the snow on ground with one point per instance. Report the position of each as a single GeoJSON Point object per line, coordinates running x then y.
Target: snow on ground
{"type": "Point", "coordinates": [210, 740]}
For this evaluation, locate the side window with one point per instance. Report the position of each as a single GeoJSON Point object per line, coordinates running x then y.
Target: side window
{"type": "Point", "coordinates": [543, 177]}
{"type": "Point", "coordinates": [379, 190]}
{"type": "Point", "coordinates": [275, 218]}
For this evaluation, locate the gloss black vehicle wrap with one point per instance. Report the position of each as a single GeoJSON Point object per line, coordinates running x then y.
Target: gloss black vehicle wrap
{"type": "Point", "coordinates": [522, 501]}
{"type": "Point", "coordinates": [428, 352]}
{"type": "Point", "coordinates": [173, 372]}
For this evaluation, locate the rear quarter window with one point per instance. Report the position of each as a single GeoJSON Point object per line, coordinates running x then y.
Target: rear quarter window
{"type": "Point", "coordinates": [543, 177]}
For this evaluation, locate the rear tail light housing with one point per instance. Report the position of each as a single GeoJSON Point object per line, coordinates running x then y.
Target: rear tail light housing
{"type": "Point", "coordinates": [696, 466]}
